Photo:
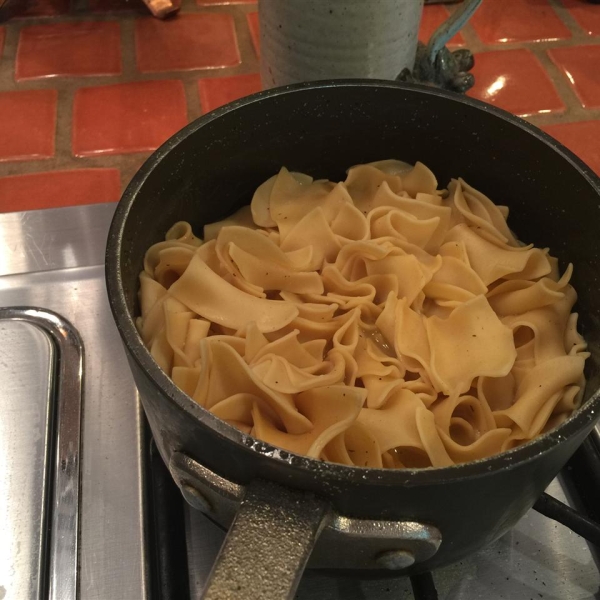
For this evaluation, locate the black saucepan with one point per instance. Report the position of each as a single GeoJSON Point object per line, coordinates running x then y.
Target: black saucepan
{"type": "Point", "coordinates": [409, 520]}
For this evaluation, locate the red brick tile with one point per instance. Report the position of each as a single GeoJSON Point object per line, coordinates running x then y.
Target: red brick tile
{"type": "Point", "coordinates": [27, 124]}
{"type": "Point", "coordinates": [433, 16]}
{"type": "Point", "coordinates": [581, 65]}
{"type": "Point", "coordinates": [581, 138]}
{"type": "Point", "coordinates": [217, 2]}
{"type": "Point", "coordinates": [121, 5]}
{"type": "Point", "coordinates": [515, 81]}
{"type": "Point", "coordinates": [69, 49]}
{"type": "Point", "coordinates": [59, 188]}
{"type": "Point", "coordinates": [518, 21]}
{"type": "Point", "coordinates": [586, 14]}
{"type": "Point", "coordinates": [220, 90]}
{"type": "Point", "coordinates": [186, 42]}
{"type": "Point", "coordinates": [127, 117]}
{"type": "Point", "coordinates": [254, 26]}
{"type": "Point", "coordinates": [110, 5]}
{"type": "Point", "coordinates": [45, 8]}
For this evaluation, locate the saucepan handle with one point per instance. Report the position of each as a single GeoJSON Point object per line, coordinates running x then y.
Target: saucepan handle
{"type": "Point", "coordinates": [268, 544]}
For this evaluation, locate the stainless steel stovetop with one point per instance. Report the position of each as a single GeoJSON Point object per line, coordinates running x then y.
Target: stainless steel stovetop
{"type": "Point", "coordinates": [53, 259]}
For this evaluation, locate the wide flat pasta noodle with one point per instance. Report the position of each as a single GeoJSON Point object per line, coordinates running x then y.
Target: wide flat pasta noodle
{"type": "Point", "coordinates": [211, 297]}
{"type": "Point", "coordinates": [516, 296]}
{"type": "Point", "coordinates": [468, 413]}
{"type": "Point", "coordinates": [241, 218]}
{"type": "Point", "coordinates": [492, 261]}
{"type": "Point", "coordinates": [313, 230]}
{"type": "Point", "coordinates": [376, 322]}
{"type": "Point", "coordinates": [280, 375]}
{"type": "Point", "coordinates": [400, 409]}
{"type": "Point", "coordinates": [538, 387]}
{"type": "Point", "coordinates": [224, 374]}
{"type": "Point", "coordinates": [153, 257]}
{"type": "Point", "coordinates": [419, 180]}
{"type": "Point", "coordinates": [294, 196]}
{"type": "Point", "coordinates": [471, 342]}
{"type": "Point", "coordinates": [356, 446]}
{"type": "Point", "coordinates": [410, 339]}
{"type": "Point", "coordinates": [479, 211]}
{"type": "Point", "coordinates": [418, 210]}
{"type": "Point", "coordinates": [384, 222]}
{"type": "Point", "coordinates": [330, 409]}
{"type": "Point", "coordinates": [363, 181]}
{"type": "Point", "coordinates": [454, 282]}
{"type": "Point", "coordinates": [182, 232]}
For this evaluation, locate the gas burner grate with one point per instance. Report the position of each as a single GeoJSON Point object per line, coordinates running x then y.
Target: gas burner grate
{"type": "Point", "coordinates": [423, 587]}
{"type": "Point", "coordinates": [558, 511]}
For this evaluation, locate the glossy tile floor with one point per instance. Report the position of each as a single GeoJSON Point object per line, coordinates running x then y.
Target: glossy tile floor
{"type": "Point", "coordinates": [89, 87]}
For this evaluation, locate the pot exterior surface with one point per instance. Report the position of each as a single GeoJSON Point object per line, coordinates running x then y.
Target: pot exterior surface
{"type": "Point", "coordinates": [212, 167]}
{"type": "Point", "coordinates": [469, 512]}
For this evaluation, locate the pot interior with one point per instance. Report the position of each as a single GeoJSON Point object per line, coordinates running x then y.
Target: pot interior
{"type": "Point", "coordinates": [212, 167]}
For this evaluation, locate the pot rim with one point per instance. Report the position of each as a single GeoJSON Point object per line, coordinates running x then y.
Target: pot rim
{"type": "Point", "coordinates": [582, 417]}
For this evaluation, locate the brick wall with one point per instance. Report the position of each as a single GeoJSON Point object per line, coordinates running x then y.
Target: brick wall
{"type": "Point", "coordinates": [88, 88]}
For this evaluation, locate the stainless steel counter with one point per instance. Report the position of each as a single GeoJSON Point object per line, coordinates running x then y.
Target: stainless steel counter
{"type": "Point", "coordinates": [53, 259]}
{"type": "Point", "coordinates": [26, 363]}
{"type": "Point", "coordinates": [56, 257]}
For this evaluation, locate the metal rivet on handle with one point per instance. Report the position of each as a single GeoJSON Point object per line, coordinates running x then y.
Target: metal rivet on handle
{"type": "Point", "coordinates": [195, 498]}
{"type": "Point", "coordinates": [396, 559]}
